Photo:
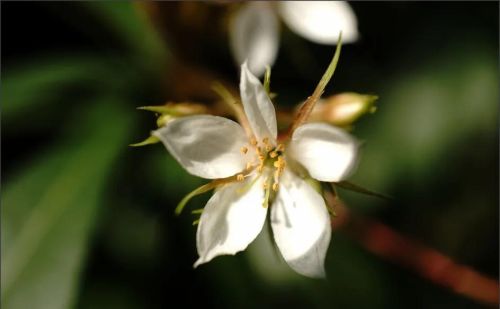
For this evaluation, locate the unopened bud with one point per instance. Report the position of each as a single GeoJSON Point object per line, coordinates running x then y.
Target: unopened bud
{"type": "Point", "coordinates": [343, 109]}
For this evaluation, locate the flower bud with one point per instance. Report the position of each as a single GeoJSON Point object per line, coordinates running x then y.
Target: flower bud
{"type": "Point", "coordinates": [343, 109]}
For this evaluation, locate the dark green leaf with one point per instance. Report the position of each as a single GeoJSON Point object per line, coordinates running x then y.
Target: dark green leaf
{"type": "Point", "coordinates": [132, 26]}
{"type": "Point", "coordinates": [30, 86]}
{"type": "Point", "coordinates": [48, 212]}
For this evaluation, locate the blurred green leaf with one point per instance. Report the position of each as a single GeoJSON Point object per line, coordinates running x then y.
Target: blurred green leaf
{"type": "Point", "coordinates": [41, 81]}
{"type": "Point", "coordinates": [131, 24]}
{"type": "Point", "coordinates": [48, 211]}
{"type": "Point", "coordinates": [430, 110]}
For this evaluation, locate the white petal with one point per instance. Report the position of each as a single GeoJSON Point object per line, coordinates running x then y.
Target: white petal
{"type": "Point", "coordinates": [206, 146]}
{"type": "Point", "coordinates": [327, 152]}
{"type": "Point", "coordinates": [231, 220]}
{"type": "Point", "coordinates": [320, 21]}
{"type": "Point", "coordinates": [254, 35]}
{"type": "Point", "coordinates": [301, 226]}
{"type": "Point", "coordinates": [257, 105]}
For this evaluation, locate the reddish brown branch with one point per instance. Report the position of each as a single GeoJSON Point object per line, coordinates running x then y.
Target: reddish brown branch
{"type": "Point", "coordinates": [427, 262]}
{"type": "Point", "coordinates": [387, 243]}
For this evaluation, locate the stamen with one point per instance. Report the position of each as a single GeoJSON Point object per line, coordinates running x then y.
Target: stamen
{"type": "Point", "coordinates": [283, 164]}
{"type": "Point", "coordinates": [262, 160]}
{"type": "Point", "coordinates": [277, 174]}
{"type": "Point", "coordinates": [265, 140]}
{"type": "Point", "coordinates": [268, 148]}
{"type": "Point", "coordinates": [280, 147]}
{"type": "Point", "coordinates": [279, 163]}
{"type": "Point", "coordinates": [244, 150]}
{"type": "Point", "coordinates": [268, 193]}
{"type": "Point", "coordinates": [265, 185]}
{"type": "Point", "coordinates": [247, 186]}
{"type": "Point", "coordinates": [249, 165]}
{"type": "Point", "coordinates": [240, 177]}
{"type": "Point", "coordinates": [253, 141]}
{"type": "Point", "coordinates": [273, 154]}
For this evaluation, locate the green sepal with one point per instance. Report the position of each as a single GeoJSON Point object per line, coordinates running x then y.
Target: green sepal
{"type": "Point", "coordinates": [316, 185]}
{"type": "Point", "coordinates": [161, 109]}
{"type": "Point", "coordinates": [308, 105]}
{"type": "Point", "coordinates": [352, 187]}
{"type": "Point", "coordinates": [222, 91]}
{"type": "Point", "coordinates": [148, 141]}
{"type": "Point", "coordinates": [200, 190]}
{"type": "Point", "coordinates": [164, 119]}
{"type": "Point", "coordinates": [267, 80]}
{"type": "Point", "coordinates": [330, 70]}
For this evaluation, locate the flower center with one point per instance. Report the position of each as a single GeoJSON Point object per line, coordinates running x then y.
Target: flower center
{"type": "Point", "coordinates": [268, 160]}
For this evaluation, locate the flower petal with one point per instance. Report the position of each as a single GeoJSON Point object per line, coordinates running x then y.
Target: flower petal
{"type": "Point", "coordinates": [231, 220]}
{"type": "Point", "coordinates": [206, 146]}
{"type": "Point", "coordinates": [254, 35]}
{"type": "Point", "coordinates": [301, 226]}
{"type": "Point", "coordinates": [320, 21]}
{"type": "Point", "coordinates": [258, 107]}
{"type": "Point", "coordinates": [327, 152]}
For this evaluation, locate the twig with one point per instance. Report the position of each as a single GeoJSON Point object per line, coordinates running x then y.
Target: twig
{"type": "Point", "coordinates": [429, 263]}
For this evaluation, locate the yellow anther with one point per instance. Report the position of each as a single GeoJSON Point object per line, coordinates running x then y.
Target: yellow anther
{"type": "Point", "coordinates": [253, 141]}
{"type": "Point", "coordinates": [244, 150]}
{"type": "Point", "coordinates": [265, 140]}
{"type": "Point", "coordinates": [249, 165]}
{"type": "Point", "coordinates": [240, 177]}
{"type": "Point", "coordinates": [268, 148]}
{"type": "Point", "coordinates": [279, 163]}
{"type": "Point", "coordinates": [280, 147]}
{"type": "Point", "coordinates": [282, 166]}
{"type": "Point", "coordinates": [275, 187]}
{"type": "Point", "coordinates": [259, 149]}
{"type": "Point", "coordinates": [273, 154]}
{"type": "Point", "coordinates": [262, 157]}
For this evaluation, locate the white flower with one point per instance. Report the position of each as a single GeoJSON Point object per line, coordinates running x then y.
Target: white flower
{"type": "Point", "coordinates": [254, 31]}
{"type": "Point", "coordinates": [263, 174]}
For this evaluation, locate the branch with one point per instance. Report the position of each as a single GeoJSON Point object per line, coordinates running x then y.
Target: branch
{"type": "Point", "coordinates": [429, 263]}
